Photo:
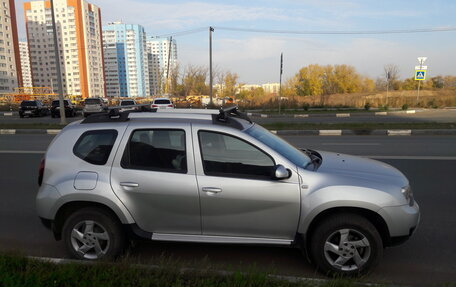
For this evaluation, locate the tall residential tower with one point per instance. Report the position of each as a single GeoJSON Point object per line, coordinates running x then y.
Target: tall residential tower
{"type": "Point", "coordinates": [80, 46]}
{"type": "Point", "coordinates": [125, 59]}
{"type": "Point", "coordinates": [10, 63]}
{"type": "Point", "coordinates": [159, 50]}
{"type": "Point", "coordinates": [25, 64]}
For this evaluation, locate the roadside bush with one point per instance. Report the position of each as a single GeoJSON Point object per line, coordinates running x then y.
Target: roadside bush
{"type": "Point", "coordinates": [405, 107]}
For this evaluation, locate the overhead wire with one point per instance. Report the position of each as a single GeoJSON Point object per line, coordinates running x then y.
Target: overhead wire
{"type": "Point", "coordinates": [354, 32]}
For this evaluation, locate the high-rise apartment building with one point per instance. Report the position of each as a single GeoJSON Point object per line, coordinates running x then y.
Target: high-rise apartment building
{"type": "Point", "coordinates": [159, 50]}
{"type": "Point", "coordinates": [25, 64]}
{"type": "Point", "coordinates": [125, 59]}
{"type": "Point", "coordinates": [80, 46]}
{"type": "Point", "coordinates": [10, 66]}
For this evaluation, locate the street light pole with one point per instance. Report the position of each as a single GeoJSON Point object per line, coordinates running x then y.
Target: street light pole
{"type": "Point", "coordinates": [211, 104]}
{"type": "Point", "coordinates": [57, 65]}
{"type": "Point", "coordinates": [280, 83]}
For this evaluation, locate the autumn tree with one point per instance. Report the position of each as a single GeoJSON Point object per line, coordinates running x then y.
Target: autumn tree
{"type": "Point", "coordinates": [229, 84]}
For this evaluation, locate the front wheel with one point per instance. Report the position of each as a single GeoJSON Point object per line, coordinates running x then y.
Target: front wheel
{"type": "Point", "coordinates": [346, 244]}
{"type": "Point", "coordinates": [93, 234]}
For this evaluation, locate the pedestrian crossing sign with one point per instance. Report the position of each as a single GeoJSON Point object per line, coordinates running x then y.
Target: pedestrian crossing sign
{"type": "Point", "coordinates": [420, 75]}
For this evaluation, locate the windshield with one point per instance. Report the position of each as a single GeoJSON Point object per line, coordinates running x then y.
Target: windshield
{"type": "Point", "coordinates": [279, 145]}
{"type": "Point", "coordinates": [92, 101]}
{"type": "Point", "coordinates": [56, 103]}
{"type": "Point", "coordinates": [28, 103]}
{"type": "Point", "coordinates": [127, 103]}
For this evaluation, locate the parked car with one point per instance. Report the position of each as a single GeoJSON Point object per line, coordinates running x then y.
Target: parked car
{"type": "Point", "coordinates": [70, 110]}
{"type": "Point", "coordinates": [162, 103]}
{"type": "Point", "coordinates": [93, 106]}
{"type": "Point", "coordinates": [217, 177]}
{"type": "Point", "coordinates": [127, 105]}
{"type": "Point", "coordinates": [33, 109]}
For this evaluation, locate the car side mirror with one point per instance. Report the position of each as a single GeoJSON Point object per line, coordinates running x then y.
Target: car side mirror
{"type": "Point", "coordinates": [280, 172]}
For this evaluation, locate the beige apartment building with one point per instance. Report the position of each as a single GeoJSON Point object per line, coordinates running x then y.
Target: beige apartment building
{"type": "Point", "coordinates": [79, 36]}
{"type": "Point", "coordinates": [10, 67]}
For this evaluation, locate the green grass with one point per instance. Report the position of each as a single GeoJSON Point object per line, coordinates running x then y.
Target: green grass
{"type": "Point", "coordinates": [356, 126]}
{"type": "Point", "coordinates": [21, 271]}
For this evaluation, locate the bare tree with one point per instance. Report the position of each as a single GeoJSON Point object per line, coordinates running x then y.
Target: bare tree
{"type": "Point", "coordinates": [391, 73]}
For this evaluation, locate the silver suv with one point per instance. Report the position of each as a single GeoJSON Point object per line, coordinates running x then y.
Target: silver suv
{"type": "Point", "coordinates": [210, 176]}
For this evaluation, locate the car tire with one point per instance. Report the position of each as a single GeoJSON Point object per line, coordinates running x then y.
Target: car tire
{"type": "Point", "coordinates": [345, 244]}
{"type": "Point", "coordinates": [21, 116]}
{"type": "Point", "coordinates": [52, 116]}
{"type": "Point", "coordinates": [93, 234]}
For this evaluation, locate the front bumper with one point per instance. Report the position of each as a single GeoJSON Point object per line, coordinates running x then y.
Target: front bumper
{"type": "Point", "coordinates": [402, 221]}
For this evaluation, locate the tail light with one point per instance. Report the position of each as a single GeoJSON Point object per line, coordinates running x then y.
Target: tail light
{"type": "Point", "coordinates": [170, 106]}
{"type": "Point", "coordinates": [41, 172]}
{"type": "Point", "coordinates": [154, 106]}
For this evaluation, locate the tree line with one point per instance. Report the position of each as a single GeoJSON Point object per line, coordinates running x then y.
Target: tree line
{"type": "Point", "coordinates": [311, 80]}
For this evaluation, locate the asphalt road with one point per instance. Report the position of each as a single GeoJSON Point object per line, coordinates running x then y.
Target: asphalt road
{"type": "Point", "coordinates": [426, 259]}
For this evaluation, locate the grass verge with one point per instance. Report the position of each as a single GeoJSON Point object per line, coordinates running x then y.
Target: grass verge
{"type": "Point", "coordinates": [44, 126]}
{"type": "Point", "coordinates": [356, 126]}
{"type": "Point", "coordinates": [18, 271]}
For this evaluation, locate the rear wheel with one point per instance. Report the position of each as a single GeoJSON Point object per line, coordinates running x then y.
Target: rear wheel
{"type": "Point", "coordinates": [346, 244]}
{"type": "Point", "coordinates": [92, 234]}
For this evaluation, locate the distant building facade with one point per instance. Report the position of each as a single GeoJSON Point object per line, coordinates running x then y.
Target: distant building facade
{"type": "Point", "coordinates": [25, 64]}
{"type": "Point", "coordinates": [159, 50]}
{"type": "Point", "coordinates": [10, 66]}
{"type": "Point", "coordinates": [126, 60]}
{"type": "Point", "coordinates": [271, 88]}
{"type": "Point", "coordinates": [80, 47]}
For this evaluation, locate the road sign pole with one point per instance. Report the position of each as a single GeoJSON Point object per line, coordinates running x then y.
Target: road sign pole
{"type": "Point", "coordinates": [421, 60]}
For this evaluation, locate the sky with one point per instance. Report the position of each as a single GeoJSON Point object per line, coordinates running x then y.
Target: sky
{"type": "Point", "coordinates": [255, 57]}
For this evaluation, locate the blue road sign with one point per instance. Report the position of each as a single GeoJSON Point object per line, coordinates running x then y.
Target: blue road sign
{"type": "Point", "coordinates": [420, 75]}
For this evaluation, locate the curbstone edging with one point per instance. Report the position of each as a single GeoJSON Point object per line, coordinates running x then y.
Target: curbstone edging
{"type": "Point", "coordinates": [399, 132]}
{"type": "Point", "coordinates": [379, 132]}
{"type": "Point", "coordinates": [330, 132]}
{"type": "Point", "coordinates": [7, 132]}
{"type": "Point", "coordinates": [342, 115]}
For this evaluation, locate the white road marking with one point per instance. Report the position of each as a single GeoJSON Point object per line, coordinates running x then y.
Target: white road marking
{"type": "Point", "coordinates": [410, 157]}
{"type": "Point", "coordinates": [350, 144]}
{"type": "Point", "coordinates": [23, 151]}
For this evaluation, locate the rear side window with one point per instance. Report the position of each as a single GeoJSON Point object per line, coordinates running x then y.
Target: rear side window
{"type": "Point", "coordinates": [92, 101]}
{"type": "Point", "coordinates": [95, 146]}
{"type": "Point", "coordinates": [157, 150]}
{"type": "Point", "coordinates": [162, 102]}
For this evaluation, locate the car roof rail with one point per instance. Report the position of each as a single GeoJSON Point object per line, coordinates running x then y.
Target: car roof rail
{"type": "Point", "coordinates": [233, 111]}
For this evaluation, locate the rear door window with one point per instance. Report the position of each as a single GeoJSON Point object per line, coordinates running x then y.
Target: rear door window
{"type": "Point", "coordinates": [157, 150]}
{"type": "Point", "coordinates": [95, 146]}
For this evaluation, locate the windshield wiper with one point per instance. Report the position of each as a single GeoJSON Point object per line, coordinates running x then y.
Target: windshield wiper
{"type": "Point", "coordinates": [315, 158]}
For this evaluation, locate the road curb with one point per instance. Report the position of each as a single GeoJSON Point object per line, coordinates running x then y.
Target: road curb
{"type": "Point", "coordinates": [362, 132]}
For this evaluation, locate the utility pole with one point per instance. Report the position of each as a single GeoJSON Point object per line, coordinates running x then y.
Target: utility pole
{"type": "Point", "coordinates": [211, 103]}
{"type": "Point", "coordinates": [280, 83]}
{"type": "Point", "coordinates": [387, 86]}
{"type": "Point", "coordinates": [57, 65]}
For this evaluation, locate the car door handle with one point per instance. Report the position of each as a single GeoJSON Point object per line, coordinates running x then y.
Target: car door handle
{"type": "Point", "coordinates": [129, 184]}
{"type": "Point", "coordinates": [211, 190]}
